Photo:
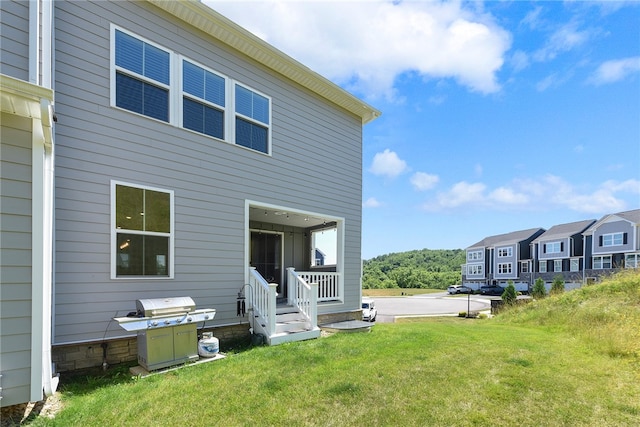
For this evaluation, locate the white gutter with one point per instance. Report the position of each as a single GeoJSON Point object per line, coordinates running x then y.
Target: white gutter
{"type": "Point", "coordinates": [23, 99]}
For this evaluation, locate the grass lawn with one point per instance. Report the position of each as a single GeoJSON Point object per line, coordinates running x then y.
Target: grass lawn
{"type": "Point", "coordinates": [522, 368]}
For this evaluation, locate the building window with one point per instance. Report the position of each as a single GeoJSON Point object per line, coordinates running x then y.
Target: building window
{"type": "Point", "coordinates": [474, 269]}
{"type": "Point", "coordinates": [474, 255]}
{"type": "Point", "coordinates": [601, 262]}
{"type": "Point", "coordinates": [142, 242]}
{"type": "Point", "coordinates": [252, 119]}
{"type": "Point", "coordinates": [575, 264]}
{"type": "Point", "coordinates": [504, 268]}
{"type": "Point", "coordinates": [557, 265]}
{"type": "Point", "coordinates": [553, 248]}
{"type": "Point", "coordinates": [505, 252]}
{"type": "Point", "coordinates": [203, 100]}
{"type": "Point", "coordinates": [142, 77]}
{"type": "Point", "coordinates": [543, 266]}
{"type": "Point", "coordinates": [614, 239]}
{"type": "Point", "coordinates": [524, 267]}
{"type": "Point", "coordinates": [632, 260]}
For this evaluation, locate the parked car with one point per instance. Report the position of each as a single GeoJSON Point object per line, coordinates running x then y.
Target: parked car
{"type": "Point", "coordinates": [369, 310]}
{"type": "Point", "coordinates": [459, 289]}
{"type": "Point", "coordinates": [491, 290]}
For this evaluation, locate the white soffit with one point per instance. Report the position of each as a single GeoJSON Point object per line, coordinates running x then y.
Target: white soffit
{"type": "Point", "coordinates": [216, 25]}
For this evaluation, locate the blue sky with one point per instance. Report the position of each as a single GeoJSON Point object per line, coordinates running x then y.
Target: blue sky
{"type": "Point", "coordinates": [497, 116]}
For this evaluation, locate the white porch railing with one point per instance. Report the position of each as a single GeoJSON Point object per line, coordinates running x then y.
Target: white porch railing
{"type": "Point", "coordinates": [263, 301]}
{"type": "Point", "coordinates": [303, 295]}
{"type": "Point", "coordinates": [328, 284]}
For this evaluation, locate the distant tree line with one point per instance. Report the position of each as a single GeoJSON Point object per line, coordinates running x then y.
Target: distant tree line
{"type": "Point", "coordinates": [424, 268]}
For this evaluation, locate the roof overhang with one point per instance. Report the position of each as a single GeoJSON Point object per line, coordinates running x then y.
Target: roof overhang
{"type": "Point", "coordinates": [221, 28]}
{"type": "Point", "coordinates": [24, 99]}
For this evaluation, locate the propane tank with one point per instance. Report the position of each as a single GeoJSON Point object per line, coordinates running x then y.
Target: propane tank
{"type": "Point", "coordinates": [209, 345]}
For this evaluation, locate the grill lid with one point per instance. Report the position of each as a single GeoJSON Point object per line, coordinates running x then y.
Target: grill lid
{"type": "Point", "coordinates": [165, 306]}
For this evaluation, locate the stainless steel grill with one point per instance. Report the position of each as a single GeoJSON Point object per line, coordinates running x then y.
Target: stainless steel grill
{"type": "Point", "coordinates": [167, 330]}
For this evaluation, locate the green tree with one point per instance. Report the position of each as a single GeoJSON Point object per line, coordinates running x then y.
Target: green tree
{"type": "Point", "coordinates": [539, 291]}
{"type": "Point", "coordinates": [509, 296]}
{"type": "Point", "coordinates": [557, 287]}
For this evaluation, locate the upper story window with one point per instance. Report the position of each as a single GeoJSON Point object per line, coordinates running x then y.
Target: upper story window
{"type": "Point", "coordinates": [505, 252]}
{"type": "Point", "coordinates": [553, 248]}
{"type": "Point", "coordinates": [142, 231]}
{"type": "Point", "coordinates": [574, 264]}
{"type": "Point", "coordinates": [203, 100]}
{"type": "Point", "coordinates": [613, 239]}
{"type": "Point", "coordinates": [153, 81]}
{"type": "Point", "coordinates": [474, 255]}
{"type": "Point", "coordinates": [252, 119]}
{"type": "Point", "coordinates": [142, 77]}
{"type": "Point", "coordinates": [524, 267]}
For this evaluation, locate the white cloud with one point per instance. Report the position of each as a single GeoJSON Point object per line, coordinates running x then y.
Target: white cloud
{"type": "Point", "coordinates": [564, 39]}
{"type": "Point", "coordinates": [366, 45]}
{"type": "Point", "coordinates": [615, 70]}
{"type": "Point", "coordinates": [545, 193]}
{"type": "Point", "coordinates": [423, 181]}
{"type": "Point", "coordinates": [388, 164]}
{"type": "Point", "coordinates": [371, 202]}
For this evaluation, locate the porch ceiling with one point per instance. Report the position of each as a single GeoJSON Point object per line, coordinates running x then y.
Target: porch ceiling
{"type": "Point", "coordinates": [284, 217]}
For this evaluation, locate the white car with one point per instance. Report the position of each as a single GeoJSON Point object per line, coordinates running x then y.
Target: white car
{"type": "Point", "coordinates": [369, 311]}
{"type": "Point", "coordinates": [459, 289]}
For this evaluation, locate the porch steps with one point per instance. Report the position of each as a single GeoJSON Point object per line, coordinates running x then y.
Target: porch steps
{"type": "Point", "coordinates": [291, 326]}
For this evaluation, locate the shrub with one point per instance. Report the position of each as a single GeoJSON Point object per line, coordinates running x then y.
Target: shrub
{"type": "Point", "coordinates": [539, 291]}
{"type": "Point", "coordinates": [557, 287]}
{"type": "Point", "coordinates": [509, 296]}
{"type": "Point", "coordinates": [462, 314]}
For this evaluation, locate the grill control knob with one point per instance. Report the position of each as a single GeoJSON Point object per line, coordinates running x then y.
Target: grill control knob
{"type": "Point", "coordinates": [189, 319]}
{"type": "Point", "coordinates": [206, 317]}
{"type": "Point", "coordinates": [154, 323]}
{"type": "Point", "coordinates": [166, 322]}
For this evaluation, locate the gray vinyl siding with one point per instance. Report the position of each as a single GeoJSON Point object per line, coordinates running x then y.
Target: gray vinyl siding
{"type": "Point", "coordinates": [613, 227]}
{"type": "Point", "coordinates": [312, 141]}
{"type": "Point", "coordinates": [513, 260]}
{"type": "Point", "coordinates": [15, 258]}
{"type": "Point", "coordinates": [14, 49]}
{"type": "Point", "coordinates": [564, 253]}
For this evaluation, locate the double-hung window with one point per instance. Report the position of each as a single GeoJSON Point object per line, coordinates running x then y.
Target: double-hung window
{"type": "Point", "coordinates": [575, 264]}
{"type": "Point", "coordinates": [505, 252]}
{"type": "Point", "coordinates": [142, 221]}
{"type": "Point", "coordinates": [614, 239]}
{"type": "Point", "coordinates": [601, 262]}
{"type": "Point", "coordinates": [252, 119]}
{"type": "Point", "coordinates": [504, 268]}
{"type": "Point", "coordinates": [542, 266]}
{"type": "Point", "coordinates": [203, 100]}
{"type": "Point", "coordinates": [142, 77]}
{"type": "Point", "coordinates": [557, 265]}
{"type": "Point", "coordinates": [150, 80]}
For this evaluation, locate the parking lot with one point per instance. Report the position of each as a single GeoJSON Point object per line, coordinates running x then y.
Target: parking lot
{"type": "Point", "coordinates": [440, 304]}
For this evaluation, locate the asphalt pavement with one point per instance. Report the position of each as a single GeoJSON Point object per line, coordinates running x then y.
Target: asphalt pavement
{"type": "Point", "coordinates": [439, 304]}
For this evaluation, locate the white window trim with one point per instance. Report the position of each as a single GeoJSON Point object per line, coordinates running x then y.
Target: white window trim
{"type": "Point", "coordinates": [176, 94]}
{"type": "Point", "coordinates": [249, 119]}
{"type": "Point", "coordinates": [555, 265]}
{"type": "Point", "coordinates": [602, 259]}
{"type": "Point", "coordinates": [114, 238]}
{"type": "Point", "coordinates": [551, 246]}
{"type": "Point", "coordinates": [613, 236]}
{"type": "Point", "coordinates": [635, 258]}
{"type": "Point", "coordinates": [507, 249]}
{"type": "Point", "coordinates": [474, 255]}
{"type": "Point", "coordinates": [502, 265]}
{"type": "Point", "coordinates": [540, 266]}
{"type": "Point", "coordinates": [228, 100]}
{"type": "Point", "coordinates": [475, 270]}
{"type": "Point", "coordinates": [576, 262]}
